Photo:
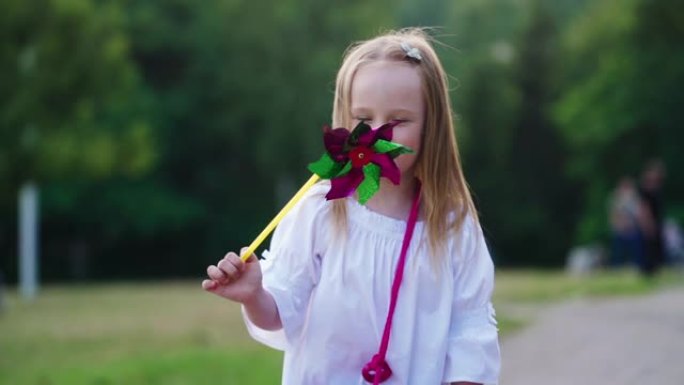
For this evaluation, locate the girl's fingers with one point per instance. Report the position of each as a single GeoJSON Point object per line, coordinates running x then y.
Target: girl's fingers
{"type": "Point", "coordinates": [235, 260]}
{"type": "Point", "coordinates": [209, 285]}
{"type": "Point", "coordinates": [216, 274]}
{"type": "Point", "coordinates": [252, 258]}
{"type": "Point", "coordinates": [229, 268]}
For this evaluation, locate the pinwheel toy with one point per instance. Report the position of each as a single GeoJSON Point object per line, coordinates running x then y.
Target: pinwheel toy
{"type": "Point", "coordinates": [353, 161]}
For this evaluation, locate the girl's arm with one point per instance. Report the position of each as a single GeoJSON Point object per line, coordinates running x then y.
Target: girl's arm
{"type": "Point", "coordinates": [262, 311]}
{"type": "Point", "coordinates": [473, 332]}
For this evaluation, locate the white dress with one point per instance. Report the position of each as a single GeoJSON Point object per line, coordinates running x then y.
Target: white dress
{"type": "Point", "coordinates": [333, 298]}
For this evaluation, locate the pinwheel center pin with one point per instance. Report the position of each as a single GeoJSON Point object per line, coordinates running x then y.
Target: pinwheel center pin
{"type": "Point", "coordinates": [360, 156]}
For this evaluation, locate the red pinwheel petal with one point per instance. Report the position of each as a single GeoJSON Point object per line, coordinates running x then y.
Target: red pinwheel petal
{"type": "Point", "coordinates": [334, 141]}
{"type": "Point", "coordinates": [384, 132]}
{"type": "Point", "coordinates": [345, 185]}
{"type": "Point", "coordinates": [367, 138]}
{"type": "Point", "coordinates": [388, 168]}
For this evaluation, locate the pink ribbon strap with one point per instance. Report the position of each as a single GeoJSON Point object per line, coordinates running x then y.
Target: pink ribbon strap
{"type": "Point", "coordinates": [377, 370]}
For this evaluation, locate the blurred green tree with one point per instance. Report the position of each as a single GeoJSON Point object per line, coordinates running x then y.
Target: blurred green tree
{"type": "Point", "coordinates": [71, 106]}
{"type": "Point", "coordinates": [506, 63]}
{"type": "Point", "coordinates": [541, 210]}
{"type": "Point", "coordinates": [243, 89]}
{"type": "Point", "coordinates": [624, 70]}
{"type": "Point", "coordinates": [66, 109]}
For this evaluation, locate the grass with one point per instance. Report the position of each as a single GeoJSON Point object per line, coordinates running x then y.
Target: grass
{"type": "Point", "coordinates": [159, 333]}
{"type": "Point", "coordinates": [173, 333]}
{"type": "Point", "coordinates": [552, 286]}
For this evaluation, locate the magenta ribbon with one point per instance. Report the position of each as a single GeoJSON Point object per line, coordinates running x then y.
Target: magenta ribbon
{"type": "Point", "coordinates": [377, 370]}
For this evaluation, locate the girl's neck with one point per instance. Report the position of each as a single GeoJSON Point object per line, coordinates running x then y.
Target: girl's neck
{"type": "Point", "coordinates": [392, 200]}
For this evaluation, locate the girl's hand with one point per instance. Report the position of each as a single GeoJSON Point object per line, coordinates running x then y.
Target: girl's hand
{"type": "Point", "coordinates": [233, 279]}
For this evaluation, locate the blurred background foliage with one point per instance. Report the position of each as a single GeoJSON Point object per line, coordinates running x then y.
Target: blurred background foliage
{"type": "Point", "coordinates": [164, 133]}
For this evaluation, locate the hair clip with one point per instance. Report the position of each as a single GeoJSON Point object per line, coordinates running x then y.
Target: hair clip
{"type": "Point", "coordinates": [411, 52]}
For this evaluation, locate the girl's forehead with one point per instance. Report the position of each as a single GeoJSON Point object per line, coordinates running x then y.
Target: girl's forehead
{"type": "Point", "coordinates": [385, 84]}
{"type": "Point", "coordinates": [387, 73]}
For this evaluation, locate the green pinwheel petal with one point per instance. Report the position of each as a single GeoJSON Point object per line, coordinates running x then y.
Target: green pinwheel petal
{"type": "Point", "coordinates": [326, 167]}
{"type": "Point", "coordinates": [345, 170]}
{"type": "Point", "coordinates": [398, 151]}
{"type": "Point", "coordinates": [370, 184]}
{"type": "Point", "coordinates": [382, 146]}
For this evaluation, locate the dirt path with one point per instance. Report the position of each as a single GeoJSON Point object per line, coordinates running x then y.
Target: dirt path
{"type": "Point", "coordinates": [617, 341]}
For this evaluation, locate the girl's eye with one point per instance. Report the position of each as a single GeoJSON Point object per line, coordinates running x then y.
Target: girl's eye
{"type": "Point", "coordinates": [361, 118]}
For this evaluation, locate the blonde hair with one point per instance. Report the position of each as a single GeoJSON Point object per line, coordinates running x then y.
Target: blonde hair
{"type": "Point", "coordinates": [438, 166]}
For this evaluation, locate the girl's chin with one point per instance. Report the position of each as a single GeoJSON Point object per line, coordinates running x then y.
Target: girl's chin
{"type": "Point", "coordinates": [406, 176]}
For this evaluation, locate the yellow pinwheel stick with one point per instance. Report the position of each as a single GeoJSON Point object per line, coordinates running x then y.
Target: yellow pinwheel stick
{"type": "Point", "coordinates": [274, 222]}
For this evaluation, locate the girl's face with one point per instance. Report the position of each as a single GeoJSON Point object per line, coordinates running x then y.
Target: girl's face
{"type": "Point", "coordinates": [385, 90]}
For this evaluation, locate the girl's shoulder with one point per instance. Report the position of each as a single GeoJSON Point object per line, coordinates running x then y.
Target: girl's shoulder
{"type": "Point", "coordinates": [316, 194]}
{"type": "Point", "coordinates": [463, 239]}
{"type": "Point", "coordinates": [469, 223]}
{"type": "Point", "coordinates": [306, 223]}
{"type": "Point", "coordinates": [313, 203]}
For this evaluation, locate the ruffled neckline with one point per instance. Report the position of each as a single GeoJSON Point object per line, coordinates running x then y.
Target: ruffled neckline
{"type": "Point", "coordinates": [375, 222]}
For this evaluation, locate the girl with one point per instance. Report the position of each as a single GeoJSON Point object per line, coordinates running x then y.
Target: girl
{"type": "Point", "coordinates": [323, 292]}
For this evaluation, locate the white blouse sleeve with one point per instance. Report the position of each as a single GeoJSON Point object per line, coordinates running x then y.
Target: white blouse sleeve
{"type": "Point", "coordinates": [291, 269]}
{"type": "Point", "coordinates": [473, 354]}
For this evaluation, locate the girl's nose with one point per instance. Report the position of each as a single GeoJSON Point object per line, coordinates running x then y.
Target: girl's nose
{"type": "Point", "coordinates": [376, 123]}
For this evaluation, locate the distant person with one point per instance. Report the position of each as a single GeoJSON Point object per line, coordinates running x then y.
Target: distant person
{"type": "Point", "coordinates": [651, 220]}
{"type": "Point", "coordinates": [627, 247]}
{"type": "Point", "coordinates": [674, 241]}
{"type": "Point", "coordinates": [324, 291]}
